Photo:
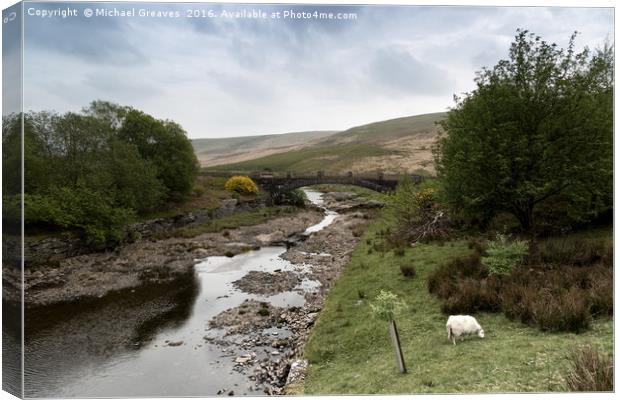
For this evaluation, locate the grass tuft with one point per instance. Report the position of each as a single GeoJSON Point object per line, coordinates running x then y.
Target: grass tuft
{"type": "Point", "coordinates": [591, 371]}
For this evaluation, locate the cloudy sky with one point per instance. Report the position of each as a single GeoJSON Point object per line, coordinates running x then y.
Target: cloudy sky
{"type": "Point", "coordinates": [234, 77]}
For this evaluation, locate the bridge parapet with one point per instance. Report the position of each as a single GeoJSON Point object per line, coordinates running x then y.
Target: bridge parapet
{"type": "Point", "coordinates": [277, 185]}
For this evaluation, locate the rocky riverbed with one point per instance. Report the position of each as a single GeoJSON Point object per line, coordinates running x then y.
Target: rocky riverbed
{"type": "Point", "coordinates": [144, 262]}
{"type": "Point", "coordinates": [266, 342]}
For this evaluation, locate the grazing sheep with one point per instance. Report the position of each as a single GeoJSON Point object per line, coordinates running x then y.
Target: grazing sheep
{"type": "Point", "coordinates": [462, 325]}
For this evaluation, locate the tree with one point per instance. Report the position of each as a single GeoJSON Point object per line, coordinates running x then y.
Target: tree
{"type": "Point", "coordinates": [166, 145]}
{"type": "Point", "coordinates": [537, 131]}
{"type": "Point", "coordinates": [132, 179]}
{"type": "Point", "coordinates": [385, 307]}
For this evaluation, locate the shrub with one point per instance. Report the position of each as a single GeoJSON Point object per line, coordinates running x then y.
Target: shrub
{"type": "Point", "coordinates": [92, 213]}
{"type": "Point", "coordinates": [408, 271]}
{"type": "Point", "coordinates": [296, 197]}
{"type": "Point", "coordinates": [241, 184]}
{"type": "Point", "coordinates": [263, 311]}
{"type": "Point", "coordinates": [399, 252]}
{"type": "Point", "coordinates": [387, 305]}
{"type": "Point", "coordinates": [472, 296]}
{"type": "Point", "coordinates": [477, 246]}
{"type": "Point", "coordinates": [503, 255]}
{"type": "Point", "coordinates": [591, 371]}
{"type": "Point", "coordinates": [601, 291]}
{"type": "Point", "coordinates": [515, 301]}
{"type": "Point", "coordinates": [572, 251]}
{"type": "Point", "coordinates": [568, 311]}
{"type": "Point", "coordinates": [358, 230]}
{"type": "Point", "coordinates": [415, 213]}
{"type": "Point", "coordinates": [559, 299]}
{"type": "Point", "coordinates": [448, 274]}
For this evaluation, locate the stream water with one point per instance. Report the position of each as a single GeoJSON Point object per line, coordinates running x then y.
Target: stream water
{"type": "Point", "coordinates": [74, 350]}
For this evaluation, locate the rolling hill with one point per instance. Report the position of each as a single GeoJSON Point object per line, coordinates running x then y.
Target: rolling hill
{"type": "Point", "coordinates": [393, 146]}
{"type": "Point", "coordinates": [236, 149]}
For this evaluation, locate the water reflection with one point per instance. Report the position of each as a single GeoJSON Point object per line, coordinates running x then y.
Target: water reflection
{"type": "Point", "coordinates": [63, 342]}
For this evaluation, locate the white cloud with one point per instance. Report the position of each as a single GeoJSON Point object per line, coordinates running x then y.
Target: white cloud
{"type": "Point", "coordinates": [223, 78]}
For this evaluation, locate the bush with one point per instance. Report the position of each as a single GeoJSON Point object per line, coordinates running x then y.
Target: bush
{"type": "Point", "coordinates": [91, 213]}
{"type": "Point", "coordinates": [441, 281]}
{"type": "Point", "coordinates": [477, 246]}
{"type": "Point", "coordinates": [408, 271]}
{"type": "Point", "coordinates": [358, 230]}
{"type": "Point", "coordinates": [472, 296]}
{"type": "Point", "coordinates": [566, 312]}
{"type": "Point", "coordinates": [241, 184]}
{"type": "Point", "coordinates": [571, 251]}
{"type": "Point", "coordinates": [601, 292]}
{"type": "Point", "coordinates": [296, 197]}
{"type": "Point", "coordinates": [387, 305]}
{"type": "Point", "coordinates": [503, 255]}
{"type": "Point", "coordinates": [415, 213]}
{"type": "Point", "coordinates": [591, 371]}
{"type": "Point", "coordinates": [550, 298]}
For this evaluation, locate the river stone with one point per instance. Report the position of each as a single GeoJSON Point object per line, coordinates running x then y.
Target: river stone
{"type": "Point", "coordinates": [259, 282]}
{"type": "Point", "coordinates": [297, 371]}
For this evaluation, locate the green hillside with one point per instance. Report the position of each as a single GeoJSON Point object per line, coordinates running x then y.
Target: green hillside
{"type": "Point", "coordinates": [332, 159]}
{"type": "Point", "coordinates": [234, 149]}
{"type": "Point", "coordinates": [378, 132]}
{"type": "Point", "coordinates": [393, 146]}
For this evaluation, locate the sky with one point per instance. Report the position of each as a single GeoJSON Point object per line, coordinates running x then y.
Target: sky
{"type": "Point", "coordinates": [222, 77]}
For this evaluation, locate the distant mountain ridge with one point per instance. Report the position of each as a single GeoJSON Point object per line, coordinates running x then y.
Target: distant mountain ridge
{"type": "Point", "coordinates": [400, 145]}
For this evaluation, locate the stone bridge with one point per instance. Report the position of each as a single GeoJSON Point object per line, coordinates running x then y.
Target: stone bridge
{"type": "Point", "coordinates": [281, 184]}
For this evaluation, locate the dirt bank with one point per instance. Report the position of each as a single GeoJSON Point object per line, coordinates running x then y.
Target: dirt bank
{"type": "Point", "coordinates": [144, 262]}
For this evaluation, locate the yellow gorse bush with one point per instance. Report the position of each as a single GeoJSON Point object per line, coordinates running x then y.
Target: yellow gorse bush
{"type": "Point", "coordinates": [424, 199]}
{"type": "Point", "coordinates": [241, 184]}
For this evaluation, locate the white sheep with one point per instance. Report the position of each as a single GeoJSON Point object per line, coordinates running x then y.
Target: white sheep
{"type": "Point", "coordinates": [462, 325]}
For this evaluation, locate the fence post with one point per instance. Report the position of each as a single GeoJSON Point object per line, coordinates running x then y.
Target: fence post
{"type": "Point", "coordinates": [400, 360]}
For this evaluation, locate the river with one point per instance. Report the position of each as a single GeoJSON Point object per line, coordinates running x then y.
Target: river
{"type": "Point", "coordinates": [75, 350]}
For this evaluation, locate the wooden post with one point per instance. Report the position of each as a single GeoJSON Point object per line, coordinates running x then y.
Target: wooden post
{"type": "Point", "coordinates": [400, 360]}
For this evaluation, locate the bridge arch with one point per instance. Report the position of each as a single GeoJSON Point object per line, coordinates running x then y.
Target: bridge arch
{"type": "Point", "coordinates": [278, 185]}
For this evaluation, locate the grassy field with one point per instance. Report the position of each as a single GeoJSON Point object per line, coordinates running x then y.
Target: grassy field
{"type": "Point", "coordinates": [350, 351]}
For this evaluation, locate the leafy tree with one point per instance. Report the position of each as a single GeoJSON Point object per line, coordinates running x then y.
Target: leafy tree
{"type": "Point", "coordinates": [110, 113]}
{"type": "Point", "coordinates": [166, 145]}
{"type": "Point", "coordinates": [78, 141]}
{"type": "Point", "coordinates": [92, 171]}
{"type": "Point", "coordinates": [11, 154]}
{"type": "Point", "coordinates": [536, 132]}
{"type": "Point", "coordinates": [132, 179]}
